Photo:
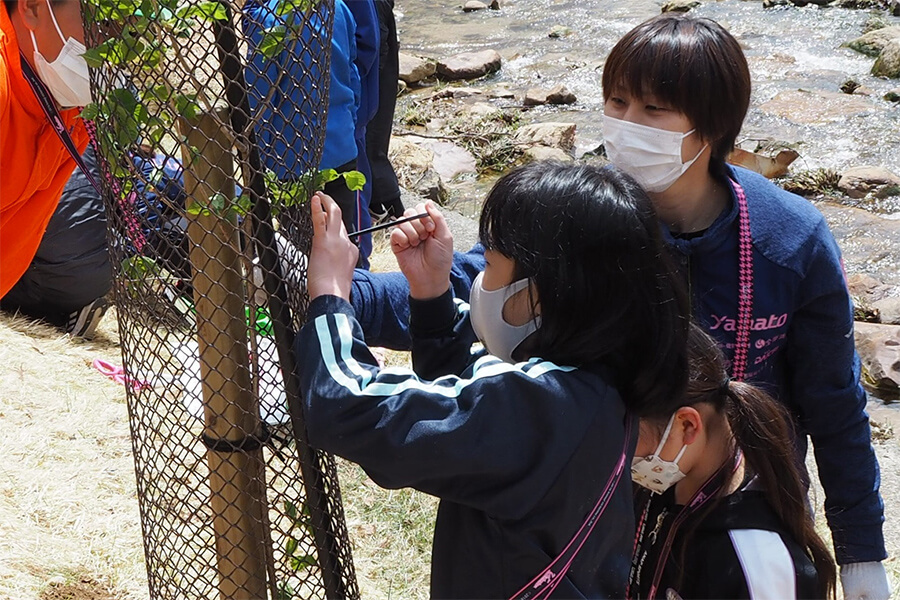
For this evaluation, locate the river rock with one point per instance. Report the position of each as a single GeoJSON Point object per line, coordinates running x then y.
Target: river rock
{"type": "Point", "coordinates": [473, 5]}
{"type": "Point", "coordinates": [554, 135]}
{"type": "Point", "coordinates": [480, 110]}
{"type": "Point", "coordinates": [559, 31]}
{"type": "Point", "coordinates": [872, 43]}
{"type": "Point", "coordinates": [864, 286]}
{"type": "Point", "coordinates": [888, 310]}
{"type": "Point", "coordinates": [888, 62]}
{"type": "Point", "coordinates": [680, 5]}
{"type": "Point", "coordinates": [878, 346]}
{"type": "Point", "coordinates": [415, 69]}
{"type": "Point", "coordinates": [469, 65]}
{"type": "Point", "coordinates": [859, 182]}
{"type": "Point", "coordinates": [808, 107]}
{"type": "Point", "coordinates": [538, 153]}
{"type": "Point", "coordinates": [415, 169]}
{"type": "Point", "coordinates": [560, 94]}
{"type": "Point", "coordinates": [449, 160]}
{"type": "Point", "coordinates": [894, 8]}
{"type": "Point", "coordinates": [893, 95]}
{"type": "Point", "coordinates": [768, 166]}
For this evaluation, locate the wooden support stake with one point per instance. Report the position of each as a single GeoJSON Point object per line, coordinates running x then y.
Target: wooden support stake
{"type": "Point", "coordinates": [230, 410]}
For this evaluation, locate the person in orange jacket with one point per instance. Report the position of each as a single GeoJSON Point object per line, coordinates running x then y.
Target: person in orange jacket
{"type": "Point", "coordinates": [34, 163]}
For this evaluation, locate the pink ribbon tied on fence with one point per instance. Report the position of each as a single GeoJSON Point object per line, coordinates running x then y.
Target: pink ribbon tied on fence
{"type": "Point", "coordinates": [118, 374]}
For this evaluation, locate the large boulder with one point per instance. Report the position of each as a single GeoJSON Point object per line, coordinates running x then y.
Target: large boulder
{"type": "Point", "coordinates": [415, 69]}
{"type": "Point", "coordinates": [554, 135]}
{"type": "Point", "coordinates": [469, 65]}
{"type": "Point", "coordinates": [859, 182]}
{"type": "Point", "coordinates": [888, 62]}
{"type": "Point", "coordinates": [872, 43]}
{"type": "Point", "coordinates": [449, 159]}
{"type": "Point", "coordinates": [809, 107]}
{"type": "Point", "coordinates": [879, 350]}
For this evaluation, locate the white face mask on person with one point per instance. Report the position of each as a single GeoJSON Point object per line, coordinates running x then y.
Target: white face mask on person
{"type": "Point", "coordinates": [486, 314]}
{"type": "Point", "coordinates": [652, 156]}
{"type": "Point", "coordinates": [67, 76]}
{"type": "Point", "coordinates": [654, 473]}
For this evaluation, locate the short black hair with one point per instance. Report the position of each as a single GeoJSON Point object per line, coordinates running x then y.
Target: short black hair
{"type": "Point", "coordinates": [590, 241]}
{"type": "Point", "coordinates": [695, 65]}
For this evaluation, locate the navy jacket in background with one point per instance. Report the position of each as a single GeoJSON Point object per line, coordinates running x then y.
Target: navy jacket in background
{"type": "Point", "coordinates": [518, 454]}
{"type": "Point", "coordinates": [801, 344]}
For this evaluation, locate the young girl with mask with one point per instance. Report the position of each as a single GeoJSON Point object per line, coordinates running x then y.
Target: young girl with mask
{"type": "Point", "coordinates": [763, 270]}
{"type": "Point", "coordinates": [722, 512]}
{"type": "Point", "coordinates": [526, 457]}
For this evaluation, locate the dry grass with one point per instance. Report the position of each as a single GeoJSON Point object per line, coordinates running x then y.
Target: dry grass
{"type": "Point", "coordinates": [68, 510]}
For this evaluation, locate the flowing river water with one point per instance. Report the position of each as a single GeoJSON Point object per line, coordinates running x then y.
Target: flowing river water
{"type": "Point", "coordinates": [795, 55]}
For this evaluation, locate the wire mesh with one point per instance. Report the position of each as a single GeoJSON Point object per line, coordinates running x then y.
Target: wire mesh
{"type": "Point", "coordinates": [209, 120]}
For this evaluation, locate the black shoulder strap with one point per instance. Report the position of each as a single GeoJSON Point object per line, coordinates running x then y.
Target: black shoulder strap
{"type": "Point", "coordinates": [49, 105]}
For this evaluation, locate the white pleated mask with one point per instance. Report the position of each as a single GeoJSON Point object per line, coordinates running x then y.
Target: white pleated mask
{"type": "Point", "coordinates": [652, 156]}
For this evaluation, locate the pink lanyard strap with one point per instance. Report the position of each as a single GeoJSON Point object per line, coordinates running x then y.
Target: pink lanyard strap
{"type": "Point", "coordinates": [547, 580]}
{"type": "Point", "coordinates": [707, 492]}
{"type": "Point", "coordinates": [126, 201]}
{"type": "Point", "coordinates": [745, 286]}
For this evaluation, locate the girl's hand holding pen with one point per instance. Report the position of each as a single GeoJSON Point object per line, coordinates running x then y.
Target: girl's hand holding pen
{"type": "Point", "coordinates": [333, 255]}
{"type": "Point", "coordinates": [424, 251]}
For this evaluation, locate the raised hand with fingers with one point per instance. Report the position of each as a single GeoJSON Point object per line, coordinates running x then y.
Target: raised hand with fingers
{"type": "Point", "coordinates": [424, 252]}
{"type": "Point", "coordinates": [333, 255]}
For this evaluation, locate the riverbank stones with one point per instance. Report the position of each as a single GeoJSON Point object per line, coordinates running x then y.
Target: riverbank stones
{"type": "Point", "coordinates": [469, 65]}
{"type": "Point", "coordinates": [888, 62]}
{"type": "Point", "coordinates": [415, 69]}
{"type": "Point", "coordinates": [859, 182]}
{"type": "Point", "coordinates": [560, 94]}
{"type": "Point", "coordinates": [873, 43]}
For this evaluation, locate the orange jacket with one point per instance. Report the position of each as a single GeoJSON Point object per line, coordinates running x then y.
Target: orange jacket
{"type": "Point", "coordinates": [34, 164]}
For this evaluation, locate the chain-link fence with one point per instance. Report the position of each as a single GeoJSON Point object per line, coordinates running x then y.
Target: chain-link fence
{"type": "Point", "coordinates": [209, 119]}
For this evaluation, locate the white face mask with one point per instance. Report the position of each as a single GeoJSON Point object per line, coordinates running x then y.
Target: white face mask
{"type": "Point", "coordinates": [654, 473]}
{"type": "Point", "coordinates": [67, 76]}
{"type": "Point", "coordinates": [652, 156]}
{"type": "Point", "coordinates": [486, 313]}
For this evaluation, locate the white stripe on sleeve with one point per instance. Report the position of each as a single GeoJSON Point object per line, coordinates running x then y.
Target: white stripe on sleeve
{"type": "Point", "coordinates": [766, 562]}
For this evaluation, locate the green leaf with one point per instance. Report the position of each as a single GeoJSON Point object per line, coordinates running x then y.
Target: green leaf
{"type": "Point", "coordinates": [94, 57]}
{"type": "Point", "coordinates": [90, 112]}
{"type": "Point", "coordinates": [291, 546]}
{"type": "Point", "coordinates": [272, 41]}
{"type": "Point", "coordinates": [186, 105]}
{"type": "Point", "coordinates": [286, 6]}
{"type": "Point", "coordinates": [218, 202]}
{"type": "Point", "coordinates": [324, 176]}
{"type": "Point", "coordinates": [290, 510]}
{"type": "Point", "coordinates": [355, 180]}
{"type": "Point", "coordinates": [302, 562]}
{"type": "Point", "coordinates": [285, 591]}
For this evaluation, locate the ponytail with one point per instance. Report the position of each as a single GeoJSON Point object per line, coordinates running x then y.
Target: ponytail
{"type": "Point", "coordinates": [762, 429]}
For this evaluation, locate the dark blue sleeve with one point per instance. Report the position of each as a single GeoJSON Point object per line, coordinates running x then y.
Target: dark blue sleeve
{"type": "Point", "coordinates": [495, 440]}
{"type": "Point", "coordinates": [381, 300]}
{"type": "Point", "coordinates": [442, 336]}
{"type": "Point", "coordinates": [824, 377]}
